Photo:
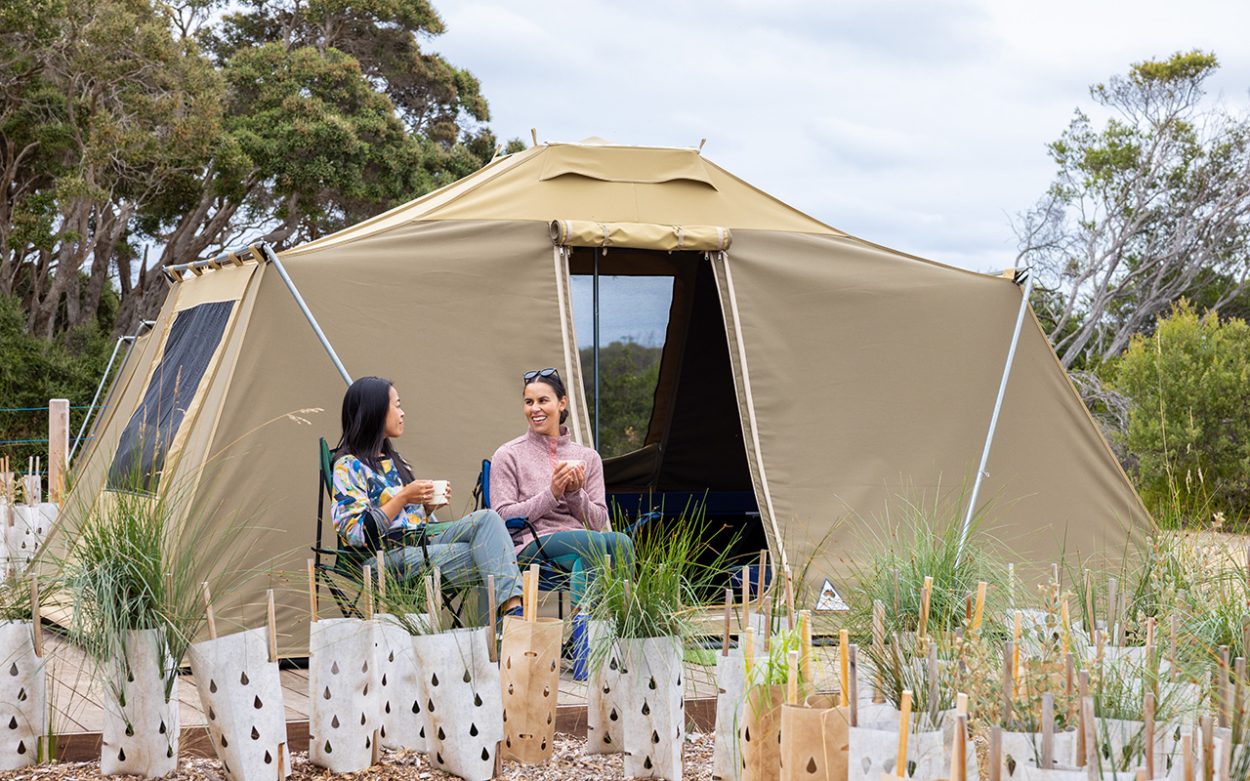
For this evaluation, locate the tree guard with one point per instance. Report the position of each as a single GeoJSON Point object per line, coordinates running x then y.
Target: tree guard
{"type": "Point", "coordinates": [759, 727]}
{"type": "Point", "coordinates": [654, 713]}
{"type": "Point", "coordinates": [23, 696]}
{"type": "Point", "coordinates": [463, 706]}
{"type": "Point", "coordinates": [874, 752]}
{"type": "Point", "coordinates": [1024, 749]}
{"type": "Point", "coordinates": [403, 712]}
{"type": "Point", "coordinates": [25, 536]}
{"type": "Point", "coordinates": [604, 696]}
{"type": "Point", "coordinates": [343, 692]}
{"type": "Point", "coordinates": [141, 725]}
{"type": "Point", "coordinates": [814, 740]}
{"type": "Point", "coordinates": [730, 691]}
{"type": "Point", "coordinates": [529, 668]}
{"type": "Point", "coordinates": [241, 695]}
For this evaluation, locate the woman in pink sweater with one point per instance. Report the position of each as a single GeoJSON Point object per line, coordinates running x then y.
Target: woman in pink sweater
{"type": "Point", "coordinates": [557, 485]}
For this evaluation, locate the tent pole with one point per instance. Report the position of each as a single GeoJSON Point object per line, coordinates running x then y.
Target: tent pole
{"type": "Point", "coordinates": [998, 406]}
{"type": "Point", "coordinates": [128, 339]}
{"type": "Point", "coordinates": [308, 315]}
{"type": "Point", "coordinates": [595, 287]}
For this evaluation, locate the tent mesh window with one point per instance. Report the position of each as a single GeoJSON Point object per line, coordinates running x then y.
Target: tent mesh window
{"type": "Point", "coordinates": [193, 339]}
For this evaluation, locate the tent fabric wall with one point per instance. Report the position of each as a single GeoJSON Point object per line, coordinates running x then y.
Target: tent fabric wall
{"type": "Point", "coordinates": [877, 387]}
{"type": "Point", "coordinates": [452, 313]}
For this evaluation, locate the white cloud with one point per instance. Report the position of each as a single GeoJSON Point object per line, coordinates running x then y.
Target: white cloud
{"type": "Point", "coordinates": [919, 124]}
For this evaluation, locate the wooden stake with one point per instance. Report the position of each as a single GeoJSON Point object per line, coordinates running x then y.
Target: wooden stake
{"type": "Point", "coordinates": [1069, 673]}
{"type": "Point", "coordinates": [759, 582]}
{"type": "Point", "coordinates": [1148, 717]}
{"type": "Point", "coordinates": [1081, 748]}
{"type": "Point", "coordinates": [805, 646]}
{"type": "Point", "coordinates": [492, 607]}
{"type": "Point", "coordinates": [925, 594]}
{"type": "Point", "coordinates": [36, 620]}
{"type": "Point", "coordinates": [792, 677]}
{"type": "Point", "coordinates": [1224, 701]}
{"type": "Point", "coordinates": [959, 758]}
{"type": "Point", "coordinates": [208, 611]}
{"type": "Point", "coordinates": [368, 592]}
{"type": "Point", "coordinates": [979, 611]}
{"type": "Point", "coordinates": [789, 601]}
{"type": "Point", "coordinates": [768, 624]}
{"type": "Point", "coordinates": [1239, 676]}
{"type": "Point", "coordinates": [1088, 726]}
{"type": "Point", "coordinates": [854, 686]}
{"type": "Point", "coordinates": [933, 683]}
{"type": "Point", "coordinates": [996, 753]}
{"type": "Point", "coordinates": [271, 626]}
{"type": "Point", "coordinates": [904, 729]}
{"type": "Point", "coordinates": [1187, 758]}
{"type": "Point", "coordinates": [1112, 603]}
{"type": "Point", "coordinates": [58, 447]}
{"type": "Point", "coordinates": [431, 604]}
{"type": "Point", "coordinates": [878, 643]}
{"type": "Point", "coordinates": [1017, 634]}
{"type": "Point", "coordinates": [748, 650]}
{"type": "Point", "coordinates": [281, 762]}
{"type": "Point", "coordinates": [746, 595]}
{"type": "Point", "coordinates": [382, 580]}
{"type": "Point", "coordinates": [532, 616]}
{"type": "Point", "coordinates": [1011, 586]}
{"type": "Point", "coordinates": [1066, 621]}
{"type": "Point", "coordinates": [729, 612]}
{"type": "Point", "coordinates": [1208, 748]}
{"type": "Point", "coordinates": [844, 665]}
{"type": "Point", "coordinates": [1008, 681]}
{"type": "Point", "coordinates": [1091, 622]}
{"type": "Point", "coordinates": [377, 750]}
{"type": "Point", "coordinates": [1048, 731]}
{"type": "Point", "coordinates": [312, 590]}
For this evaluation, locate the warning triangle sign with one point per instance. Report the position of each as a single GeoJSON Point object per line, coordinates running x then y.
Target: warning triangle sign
{"type": "Point", "coordinates": [830, 600]}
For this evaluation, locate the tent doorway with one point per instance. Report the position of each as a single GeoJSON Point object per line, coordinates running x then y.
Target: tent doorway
{"type": "Point", "coordinates": [692, 451]}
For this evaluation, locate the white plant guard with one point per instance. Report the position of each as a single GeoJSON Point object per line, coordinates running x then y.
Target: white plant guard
{"type": "Point", "coordinates": [873, 753]}
{"type": "Point", "coordinates": [529, 666]}
{"type": "Point", "coordinates": [459, 686]}
{"type": "Point", "coordinates": [343, 692]}
{"type": "Point", "coordinates": [23, 696]}
{"type": "Point", "coordinates": [1070, 774]}
{"type": "Point", "coordinates": [32, 487]}
{"type": "Point", "coordinates": [604, 696]}
{"type": "Point", "coordinates": [730, 691]}
{"type": "Point", "coordinates": [403, 712]}
{"type": "Point", "coordinates": [1024, 749]}
{"type": "Point", "coordinates": [241, 695]}
{"type": "Point", "coordinates": [24, 538]}
{"type": "Point", "coordinates": [141, 725]}
{"type": "Point", "coordinates": [655, 716]}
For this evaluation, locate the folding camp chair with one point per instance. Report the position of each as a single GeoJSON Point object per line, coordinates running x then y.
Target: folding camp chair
{"type": "Point", "coordinates": [550, 578]}
{"type": "Point", "coordinates": [347, 562]}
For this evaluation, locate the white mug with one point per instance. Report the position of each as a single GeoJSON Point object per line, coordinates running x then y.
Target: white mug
{"type": "Point", "coordinates": [440, 493]}
{"type": "Point", "coordinates": [573, 462]}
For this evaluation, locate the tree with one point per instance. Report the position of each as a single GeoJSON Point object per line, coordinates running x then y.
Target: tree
{"type": "Point", "coordinates": [1153, 206]}
{"type": "Point", "coordinates": [1188, 432]}
{"type": "Point", "coordinates": [628, 373]}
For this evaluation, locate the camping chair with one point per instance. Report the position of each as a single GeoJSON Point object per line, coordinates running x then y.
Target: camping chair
{"type": "Point", "coordinates": [549, 577]}
{"type": "Point", "coordinates": [348, 561]}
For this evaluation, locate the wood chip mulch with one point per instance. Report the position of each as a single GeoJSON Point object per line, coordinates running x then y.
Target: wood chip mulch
{"type": "Point", "coordinates": [570, 763]}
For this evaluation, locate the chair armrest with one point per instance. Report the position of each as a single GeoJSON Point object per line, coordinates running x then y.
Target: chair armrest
{"type": "Point", "coordinates": [516, 524]}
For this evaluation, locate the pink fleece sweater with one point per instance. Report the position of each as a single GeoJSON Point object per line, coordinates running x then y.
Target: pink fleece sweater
{"type": "Point", "coordinates": [520, 484]}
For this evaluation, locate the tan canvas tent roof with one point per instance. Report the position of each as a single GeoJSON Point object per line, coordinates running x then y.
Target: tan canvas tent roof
{"type": "Point", "coordinates": [822, 375]}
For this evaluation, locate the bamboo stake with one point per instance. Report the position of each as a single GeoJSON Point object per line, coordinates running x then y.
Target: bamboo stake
{"type": "Point", "coordinates": [1011, 586]}
{"type": "Point", "coordinates": [1091, 622]}
{"type": "Point", "coordinates": [312, 590]}
{"type": "Point", "coordinates": [854, 686]}
{"type": "Point", "coordinates": [208, 611]}
{"type": "Point", "coordinates": [933, 683]}
{"type": "Point", "coordinates": [768, 628]}
{"type": "Point", "coordinates": [979, 611]}
{"type": "Point", "coordinates": [1091, 738]}
{"type": "Point", "coordinates": [271, 626]}
{"type": "Point", "coordinates": [1239, 675]}
{"type": "Point", "coordinates": [381, 570]}
{"type": "Point", "coordinates": [805, 645]}
{"type": "Point", "coordinates": [748, 650]}
{"type": "Point", "coordinates": [533, 613]}
{"type": "Point", "coordinates": [368, 592]}
{"type": "Point", "coordinates": [789, 600]}
{"type": "Point", "coordinates": [729, 610]}
{"type": "Point", "coordinates": [492, 642]}
{"type": "Point", "coordinates": [1187, 758]}
{"type": "Point", "coordinates": [1066, 619]}
{"type": "Point", "coordinates": [996, 753]}
{"type": "Point", "coordinates": [925, 595]}
{"type": "Point", "coordinates": [844, 667]}
{"type": "Point", "coordinates": [1081, 748]}
{"type": "Point", "coordinates": [1112, 604]}
{"type": "Point", "coordinates": [746, 595]}
{"type": "Point", "coordinates": [281, 762]}
{"type": "Point", "coordinates": [1048, 731]}
{"type": "Point", "coordinates": [1148, 730]}
{"type": "Point", "coordinates": [759, 582]}
{"type": "Point", "coordinates": [1222, 688]}
{"type": "Point", "coordinates": [1208, 748]}
{"type": "Point", "coordinates": [36, 620]}
{"type": "Point", "coordinates": [878, 643]}
{"type": "Point", "coordinates": [1008, 680]}
{"type": "Point", "coordinates": [792, 678]}
{"type": "Point", "coordinates": [904, 729]}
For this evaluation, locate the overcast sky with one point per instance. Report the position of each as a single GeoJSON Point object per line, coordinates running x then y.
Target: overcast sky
{"type": "Point", "coordinates": [918, 124]}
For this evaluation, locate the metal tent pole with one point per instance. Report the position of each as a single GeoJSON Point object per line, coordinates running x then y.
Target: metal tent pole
{"type": "Point", "coordinates": [303, 307]}
{"type": "Point", "coordinates": [595, 288]}
{"type": "Point", "coordinates": [99, 388]}
{"type": "Point", "coordinates": [998, 406]}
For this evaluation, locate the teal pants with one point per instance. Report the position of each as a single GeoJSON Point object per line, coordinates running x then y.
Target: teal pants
{"type": "Point", "coordinates": [576, 553]}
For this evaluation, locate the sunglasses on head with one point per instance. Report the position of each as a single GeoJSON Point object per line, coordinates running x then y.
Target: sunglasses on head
{"type": "Point", "coordinates": [530, 376]}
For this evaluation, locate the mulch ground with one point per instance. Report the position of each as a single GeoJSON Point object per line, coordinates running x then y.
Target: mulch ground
{"type": "Point", "coordinates": [570, 763]}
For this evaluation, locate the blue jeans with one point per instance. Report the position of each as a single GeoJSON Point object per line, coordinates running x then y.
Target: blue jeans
{"type": "Point", "coordinates": [575, 552]}
{"type": "Point", "coordinates": [466, 552]}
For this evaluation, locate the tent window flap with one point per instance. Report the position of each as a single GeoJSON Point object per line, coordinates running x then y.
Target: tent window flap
{"type": "Point", "coordinates": [193, 339]}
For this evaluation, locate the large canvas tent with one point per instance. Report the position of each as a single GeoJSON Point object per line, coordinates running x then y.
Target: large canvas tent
{"type": "Point", "coordinates": [816, 376]}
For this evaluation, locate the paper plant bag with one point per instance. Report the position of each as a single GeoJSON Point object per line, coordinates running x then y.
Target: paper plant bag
{"type": "Point", "coordinates": [141, 726]}
{"type": "Point", "coordinates": [814, 740]}
{"type": "Point", "coordinates": [1024, 749]}
{"type": "Point", "coordinates": [529, 670]}
{"type": "Point", "coordinates": [343, 694]}
{"type": "Point", "coordinates": [873, 753]}
{"type": "Point", "coordinates": [402, 713]}
{"type": "Point", "coordinates": [730, 691]}
{"type": "Point", "coordinates": [654, 712]}
{"type": "Point", "coordinates": [463, 705]}
{"type": "Point", "coordinates": [241, 695]}
{"type": "Point", "coordinates": [23, 696]}
{"type": "Point", "coordinates": [759, 732]}
{"type": "Point", "coordinates": [605, 705]}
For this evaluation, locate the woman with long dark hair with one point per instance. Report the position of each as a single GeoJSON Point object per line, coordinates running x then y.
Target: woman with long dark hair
{"type": "Point", "coordinates": [376, 497]}
{"type": "Point", "coordinates": [557, 485]}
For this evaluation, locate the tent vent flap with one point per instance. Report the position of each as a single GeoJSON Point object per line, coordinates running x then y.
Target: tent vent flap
{"type": "Point", "coordinates": [637, 235]}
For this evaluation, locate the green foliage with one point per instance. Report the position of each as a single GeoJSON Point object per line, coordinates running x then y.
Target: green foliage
{"type": "Point", "coordinates": [628, 373]}
{"type": "Point", "coordinates": [1189, 420]}
{"type": "Point", "coordinates": [33, 370]}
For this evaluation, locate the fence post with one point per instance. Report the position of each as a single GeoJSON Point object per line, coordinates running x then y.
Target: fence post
{"type": "Point", "coordinates": [58, 447]}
